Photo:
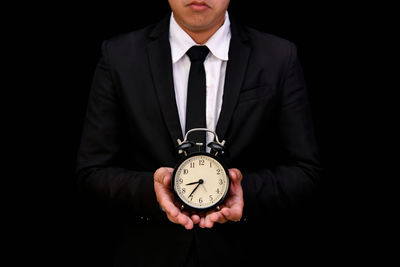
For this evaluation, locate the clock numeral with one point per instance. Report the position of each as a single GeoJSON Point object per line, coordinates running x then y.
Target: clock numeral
{"type": "Point", "coordinates": [220, 181]}
{"type": "Point", "coordinates": [210, 197]}
{"type": "Point", "coordinates": [183, 190]}
{"type": "Point", "coordinates": [201, 162]}
{"type": "Point", "coordinates": [210, 164]}
{"type": "Point", "coordinates": [180, 180]}
{"type": "Point", "coordinates": [191, 164]}
{"type": "Point", "coordinates": [191, 198]}
{"type": "Point", "coordinates": [185, 171]}
{"type": "Point", "coordinates": [218, 171]}
{"type": "Point", "coordinates": [218, 191]}
{"type": "Point", "coordinates": [200, 200]}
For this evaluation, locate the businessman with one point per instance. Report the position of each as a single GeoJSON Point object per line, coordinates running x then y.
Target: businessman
{"type": "Point", "coordinates": [198, 67]}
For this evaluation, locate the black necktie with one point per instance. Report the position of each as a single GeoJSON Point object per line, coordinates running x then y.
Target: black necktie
{"type": "Point", "coordinates": [196, 94]}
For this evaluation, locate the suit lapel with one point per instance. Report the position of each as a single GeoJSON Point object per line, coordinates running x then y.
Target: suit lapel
{"type": "Point", "coordinates": [159, 53]}
{"type": "Point", "coordinates": [236, 67]}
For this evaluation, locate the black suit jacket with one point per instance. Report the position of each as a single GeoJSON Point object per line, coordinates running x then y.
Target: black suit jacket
{"type": "Point", "coordinates": [132, 125]}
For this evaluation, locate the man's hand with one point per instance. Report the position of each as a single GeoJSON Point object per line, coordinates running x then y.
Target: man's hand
{"type": "Point", "coordinates": [166, 198]}
{"type": "Point", "coordinates": [230, 210]}
{"type": "Point", "coordinates": [232, 207]}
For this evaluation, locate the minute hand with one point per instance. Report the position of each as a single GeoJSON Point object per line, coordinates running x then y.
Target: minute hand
{"type": "Point", "coordinates": [194, 189]}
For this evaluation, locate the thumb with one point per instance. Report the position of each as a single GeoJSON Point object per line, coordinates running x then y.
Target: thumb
{"type": "Point", "coordinates": [167, 179]}
{"type": "Point", "coordinates": [235, 175]}
{"type": "Point", "coordinates": [163, 175]}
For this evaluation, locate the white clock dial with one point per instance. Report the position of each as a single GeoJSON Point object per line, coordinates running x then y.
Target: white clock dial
{"type": "Point", "coordinates": [201, 181]}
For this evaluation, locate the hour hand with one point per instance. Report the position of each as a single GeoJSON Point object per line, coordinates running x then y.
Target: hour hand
{"type": "Point", "coordinates": [194, 183]}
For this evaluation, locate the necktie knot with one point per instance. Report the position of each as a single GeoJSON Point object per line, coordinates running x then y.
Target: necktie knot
{"type": "Point", "coordinates": [198, 53]}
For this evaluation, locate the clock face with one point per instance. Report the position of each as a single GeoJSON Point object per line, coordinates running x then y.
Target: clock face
{"type": "Point", "coordinates": [201, 181]}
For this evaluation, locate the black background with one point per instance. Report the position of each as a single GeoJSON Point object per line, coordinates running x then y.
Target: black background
{"type": "Point", "coordinates": [64, 50]}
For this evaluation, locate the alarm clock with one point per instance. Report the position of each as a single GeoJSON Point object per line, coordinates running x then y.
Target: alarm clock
{"type": "Point", "coordinates": [200, 179]}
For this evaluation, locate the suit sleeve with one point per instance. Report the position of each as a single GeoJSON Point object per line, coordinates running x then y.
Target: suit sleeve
{"type": "Point", "coordinates": [99, 171]}
{"type": "Point", "coordinates": [294, 180]}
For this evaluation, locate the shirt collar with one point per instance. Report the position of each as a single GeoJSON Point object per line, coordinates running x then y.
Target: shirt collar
{"type": "Point", "coordinates": [180, 41]}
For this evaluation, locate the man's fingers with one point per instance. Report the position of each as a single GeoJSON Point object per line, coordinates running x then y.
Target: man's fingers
{"type": "Point", "coordinates": [211, 218]}
{"type": "Point", "coordinates": [195, 218]}
{"type": "Point", "coordinates": [170, 208]}
{"type": "Point", "coordinates": [231, 214]}
{"type": "Point", "coordinates": [202, 221]}
{"type": "Point", "coordinates": [185, 221]}
{"type": "Point", "coordinates": [181, 219]}
{"type": "Point", "coordinates": [176, 216]}
{"type": "Point", "coordinates": [226, 213]}
{"type": "Point", "coordinates": [208, 223]}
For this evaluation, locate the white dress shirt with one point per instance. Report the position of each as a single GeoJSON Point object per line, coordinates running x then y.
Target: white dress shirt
{"type": "Point", "coordinates": [214, 65]}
